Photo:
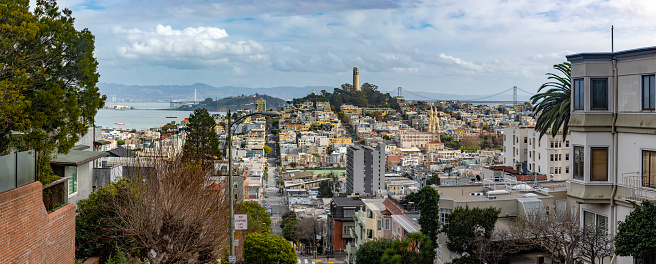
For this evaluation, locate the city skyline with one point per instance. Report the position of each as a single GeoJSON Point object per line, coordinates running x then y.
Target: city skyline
{"type": "Point", "coordinates": [468, 47]}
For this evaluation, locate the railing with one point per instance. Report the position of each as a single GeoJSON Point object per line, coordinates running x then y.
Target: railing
{"type": "Point", "coordinates": [17, 169]}
{"type": "Point", "coordinates": [55, 194]}
{"type": "Point", "coordinates": [633, 189]}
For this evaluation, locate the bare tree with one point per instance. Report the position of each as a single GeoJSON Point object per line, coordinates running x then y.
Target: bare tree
{"type": "Point", "coordinates": [556, 232]}
{"type": "Point", "coordinates": [596, 244]}
{"type": "Point", "coordinates": [472, 141]}
{"type": "Point", "coordinates": [172, 213]}
{"type": "Point", "coordinates": [307, 229]}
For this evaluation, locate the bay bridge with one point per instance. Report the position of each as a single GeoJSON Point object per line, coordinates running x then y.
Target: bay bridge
{"type": "Point", "coordinates": [519, 96]}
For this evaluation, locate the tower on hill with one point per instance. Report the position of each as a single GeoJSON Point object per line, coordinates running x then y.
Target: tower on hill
{"type": "Point", "coordinates": [356, 79]}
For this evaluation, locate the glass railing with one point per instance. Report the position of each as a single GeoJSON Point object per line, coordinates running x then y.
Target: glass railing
{"type": "Point", "coordinates": [17, 169]}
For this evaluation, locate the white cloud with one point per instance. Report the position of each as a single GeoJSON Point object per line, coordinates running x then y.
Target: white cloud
{"type": "Point", "coordinates": [195, 47]}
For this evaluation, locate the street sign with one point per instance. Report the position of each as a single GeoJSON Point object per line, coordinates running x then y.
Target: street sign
{"type": "Point", "coordinates": [232, 259]}
{"type": "Point", "coordinates": [241, 222]}
{"type": "Point", "coordinates": [318, 245]}
{"type": "Point", "coordinates": [236, 242]}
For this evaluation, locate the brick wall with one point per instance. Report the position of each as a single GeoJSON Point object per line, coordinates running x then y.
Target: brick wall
{"type": "Point", "coordinates": [338, 242]}
{"type": "Point", "coordinates": [29, 234]}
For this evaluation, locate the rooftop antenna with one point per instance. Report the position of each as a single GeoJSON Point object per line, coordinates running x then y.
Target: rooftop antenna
{"type": "Point", "coordinates": [612, 42]}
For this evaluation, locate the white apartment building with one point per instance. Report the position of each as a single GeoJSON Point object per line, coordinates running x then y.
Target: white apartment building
{"type": "Point", "coordinates": [613, 126]}
{"type": "Point", "coordinates": [523, 150]}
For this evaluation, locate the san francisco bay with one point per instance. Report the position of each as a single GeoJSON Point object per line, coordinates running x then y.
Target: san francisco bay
{"type": "Point", "coordinates": [144, 115]}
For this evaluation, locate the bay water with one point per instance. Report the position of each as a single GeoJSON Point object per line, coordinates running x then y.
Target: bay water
{"type": "Point", "coordinates": [143, 116]}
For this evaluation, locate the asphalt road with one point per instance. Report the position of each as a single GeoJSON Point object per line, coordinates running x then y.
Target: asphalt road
{"type": "Point", "coordinates": [276, 202]}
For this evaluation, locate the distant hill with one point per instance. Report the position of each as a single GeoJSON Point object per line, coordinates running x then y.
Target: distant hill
{"type": "Point", "coordinates": [234, 103]}
{"type": "Point", "coordinates": [165, 93]}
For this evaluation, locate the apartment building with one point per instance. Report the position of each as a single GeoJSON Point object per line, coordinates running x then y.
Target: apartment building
{"type": "Point", "coordinates": [525, 151]}
{"type": "Point", "coordinates": [409, 139]}
{"type": "Point", "coordinates": [340, 222]}
{"type": "Point", "coordinates": [613, 126]}
{"type": "Point", "coordinates": [365, 169]}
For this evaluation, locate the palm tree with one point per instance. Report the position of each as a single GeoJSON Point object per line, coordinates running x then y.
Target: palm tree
{"type": "Point", "coordinates": [552, 106]}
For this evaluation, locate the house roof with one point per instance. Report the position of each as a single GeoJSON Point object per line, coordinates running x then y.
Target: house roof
{"type": "Point", "coordinates": [77, 157]}
{"type": "Point", "coordinates": [347, 201]}
{"type": "Point", "coordinates": [406, 223]}
{"type": "Point", "coordinates": [121, 152]}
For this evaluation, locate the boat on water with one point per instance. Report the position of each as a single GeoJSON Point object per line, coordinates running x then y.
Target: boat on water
{"type": "Point", "coordinates": [119, 123]}
{"type": "Point", "coordinates": [171, 117]}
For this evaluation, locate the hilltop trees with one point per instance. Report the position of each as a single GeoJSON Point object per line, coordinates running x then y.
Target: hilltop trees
{"type": "Point", "coordinates": [48, 79]}
{"type": "Point", "coordinates": [368, 96]}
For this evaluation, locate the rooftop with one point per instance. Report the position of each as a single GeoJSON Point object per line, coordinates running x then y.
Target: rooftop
{"type": "Point", "coordinates": [463, 193]}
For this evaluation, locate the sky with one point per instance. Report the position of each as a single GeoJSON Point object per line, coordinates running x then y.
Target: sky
{"type": "Point", "coordinates": [457, 47]}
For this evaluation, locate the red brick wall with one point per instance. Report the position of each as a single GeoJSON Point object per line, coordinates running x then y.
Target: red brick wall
{"type": "Point", "coordinates": [338, 242]}
{"type": "Point", "coordinates": [29, 234]}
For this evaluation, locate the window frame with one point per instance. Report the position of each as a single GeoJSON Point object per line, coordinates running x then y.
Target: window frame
{"type": "Point", "coordinates": [578, 94]}
{"type": "Point", "coordinates": [651, 93]}
{"type": "Point", "coordinates": [652, 184]}
{"type": "Point", "coordinates": [72, 181]}
{"type": "Point", "coordinates": [580, 175]}
{"type": "Point", "coordinates": [592, 101]}
{"type": "Point", "coordinates": [592, 149]}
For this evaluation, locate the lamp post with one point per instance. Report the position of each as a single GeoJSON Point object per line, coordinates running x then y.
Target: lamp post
{"type": "Point", "coordinates": [231, 187]}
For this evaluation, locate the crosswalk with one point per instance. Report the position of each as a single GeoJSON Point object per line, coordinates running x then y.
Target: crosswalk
{"type": "Point", "coordinates": [313, 261]}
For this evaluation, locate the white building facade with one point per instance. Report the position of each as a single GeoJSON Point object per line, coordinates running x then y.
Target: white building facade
{"type": "Point", "coordinates": [613, 126]}
{"type": "Point", "coordinates": [523, 150]}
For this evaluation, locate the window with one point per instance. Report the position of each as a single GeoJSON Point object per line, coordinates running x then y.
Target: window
{"type": "Point", "coordinates": [551, 170]}
{"type": "Point", "coordinates": [349, 212]}
{"type": "Point", "coordinates": [566, 169]}
{"type": "Point", "coordinates": [593, 220]}
{"type": "Point", "coordinates": [370, 233]}
{"type": "Point", "coordinates": [648, 92]}
{"type": "Point", "coordinates": [599, 94]}
{"type": "Point", "coordinates": [578, 163]}
{"type": "Point", "coordinates": [380, 225]}
{"type": "Point", "coordinates": [444, 216]}
{"type": "Point", "coordinates": [345, 229]}
{"type": "Point", "coordinates": [387, 224]}
{"type": "Point", "coordinates": [567, 144]}
{"type": "Point", "coordinates": [649, 168]}
{"type": "Point", "coordinates": [440, 252]}
{"type": "Point", "coordinates": [599, 164]}
{"type": "Point", "coordinates": [566, 156]}
{"type": "Point", "coordinates": [525, 140]}
{"type": "Point", "coordinates": [72, 180]}
{"type": "Point", "coordinates": [551, 157]}
{"type": "Point", "coordinates": [578, 94]}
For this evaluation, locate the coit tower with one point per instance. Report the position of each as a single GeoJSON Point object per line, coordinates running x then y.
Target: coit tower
{"type": "Point", "coordinates": [356, 79]}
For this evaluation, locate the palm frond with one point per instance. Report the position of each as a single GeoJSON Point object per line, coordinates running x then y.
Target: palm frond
{"type": "Point", "coordinates": [552, 102]}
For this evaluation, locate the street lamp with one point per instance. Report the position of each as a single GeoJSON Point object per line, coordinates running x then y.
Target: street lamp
{"type": "Point", "coordinates": [231, 187]}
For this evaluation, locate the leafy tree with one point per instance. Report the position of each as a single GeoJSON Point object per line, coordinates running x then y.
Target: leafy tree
{"type": "Point", "coordinates": [166, 129]}
{"type": "Point", "coordinates": [468, 227]}
{"type": "Point", "coordinates": [120, 142]}
{"type": "Point", "coordinates": [428, 200]}
{"type": "Point", "coordinates": [202, 142]}
{"type": "Point", "coordinates": [96, 233]}
{"type": "Point", "coordinates": [265, 248]}
{"type": "Point", "coordinates": [415, 248]}
{"type": "Point", "coordinates": [371, 251]}
{"type": "Point", "coordinates": [267, 149]}
{"type": "Point", "coordinates": [326, 189]}
{"type": "Point", "coordinates": [435, 179]}
{"type": "Point", "coordinates": [259, 221]}
{"type": "Point", "coordinates": [288, 225]}
{"type": "Point", "coordinates": [552, 106]}
{"type": "Point", "coordinates": [636, 236]}
{"type": "Point", "coordinates": [275, 131]}
{"type": "Point", "coordinates": [48, 79]}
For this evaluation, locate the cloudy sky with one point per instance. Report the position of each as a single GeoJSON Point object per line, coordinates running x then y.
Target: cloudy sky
{"type": "Point", "coordinates": [460, 46]}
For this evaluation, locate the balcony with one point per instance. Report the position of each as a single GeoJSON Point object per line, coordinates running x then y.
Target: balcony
{"type": "Point", "coordinates": [590, 192]}
{"type": "Point", "coordinates": [633, 190]}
